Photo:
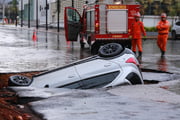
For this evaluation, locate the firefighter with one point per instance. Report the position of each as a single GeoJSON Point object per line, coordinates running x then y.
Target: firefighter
{"type": "Point", "coordinates": [163, 31]}
{"type": "Point", "coordinates": [137, 29]}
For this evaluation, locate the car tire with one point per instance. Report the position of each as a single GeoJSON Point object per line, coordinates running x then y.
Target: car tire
{"type": "Point", "coordinates": [110, 50]}
{"type": "Point", "coordinates": [174, 35]}
{"type": "Point", "coordinates": [82, 45]}
{"type": "Point", "coordinates": [19, 80]}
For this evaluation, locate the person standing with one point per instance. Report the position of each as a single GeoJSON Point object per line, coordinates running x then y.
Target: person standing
{"type": "Point", "coordinates": [137, 29]}
{"type": "Point", "coordinates": [163, 27]}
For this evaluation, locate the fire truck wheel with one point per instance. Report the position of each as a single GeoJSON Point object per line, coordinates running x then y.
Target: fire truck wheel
{"type": "Point", "coordinates": [82, 44]}
{"type": "Point", "coordinates": [110, 50]}
{"type": "Point", "coordinates": [19, 80]}
{"type": "Point", "coordinates": [95, 48]}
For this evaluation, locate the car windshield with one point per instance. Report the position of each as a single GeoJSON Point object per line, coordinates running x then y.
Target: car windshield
{"type": "Point", "coordinates": [178, 23]}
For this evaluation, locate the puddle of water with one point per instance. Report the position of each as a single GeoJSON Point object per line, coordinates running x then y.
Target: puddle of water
{"type": "Point", "coordinates": [175, 88]}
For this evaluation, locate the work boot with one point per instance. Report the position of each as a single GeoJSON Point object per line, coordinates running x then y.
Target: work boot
{"type": "Point", "coordinates": [162, 53]}
{"type": "Point", "coordinates": [140, 57]}
{"type": "Point", "coordinates": [134, 52]}
{"type": "Point", "coordinates": [140, 54]}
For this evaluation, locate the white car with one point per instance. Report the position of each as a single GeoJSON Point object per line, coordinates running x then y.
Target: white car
{"type": "Point", "coordinates": [175, 30]}
{"type": "Point", "coordinates": [114, 65]}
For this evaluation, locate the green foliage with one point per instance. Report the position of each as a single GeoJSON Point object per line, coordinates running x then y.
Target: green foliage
{"type": "Point", "coordinates": [12, 10]}
{"type": "Point", "coordinates": [156, 7]}
{"type": "Point", "coordinates": [150, 29]}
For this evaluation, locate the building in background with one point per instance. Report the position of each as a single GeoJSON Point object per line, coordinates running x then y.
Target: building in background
{"type": "Point", "coordinates": [8, 11]}
{"type": "Point", "coordinates": [36, 9]}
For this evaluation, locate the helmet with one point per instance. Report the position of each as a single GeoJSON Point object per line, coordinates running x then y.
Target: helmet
{"type": "Point", "coordinates": [137, 14]}
{"type": "Point", "coordinates": [163, 15]}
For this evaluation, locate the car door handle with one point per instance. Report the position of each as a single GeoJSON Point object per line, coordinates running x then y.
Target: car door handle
{"type": "Point", "coordinates": [71, 76]}
{"type": "Point", "coordinates": [107, 65]}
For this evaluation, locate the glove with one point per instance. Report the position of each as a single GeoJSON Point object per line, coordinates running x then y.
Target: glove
{"type": "Point", "coordinates": [144, 38]}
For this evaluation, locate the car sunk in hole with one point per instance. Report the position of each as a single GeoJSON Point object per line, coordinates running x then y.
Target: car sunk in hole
{"type": "Point", "coordinates": [175, 31]}
{"type": "Point", "coordinates": [114, 65]}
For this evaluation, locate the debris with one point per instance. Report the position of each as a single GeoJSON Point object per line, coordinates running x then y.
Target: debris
{"type": "Point", "coordinates": [7, 110]}
{"type": "Point", "coordinates": [164, 87]}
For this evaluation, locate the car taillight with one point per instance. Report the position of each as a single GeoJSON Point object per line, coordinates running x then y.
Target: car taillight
{"type": "Point", "coordinates": [132, 60]}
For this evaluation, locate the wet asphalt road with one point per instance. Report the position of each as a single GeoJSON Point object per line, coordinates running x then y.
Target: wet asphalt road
{"type": "Point", "coordinates": [20, 53]}
{"type": "Point", "coordinates": [142, 102]}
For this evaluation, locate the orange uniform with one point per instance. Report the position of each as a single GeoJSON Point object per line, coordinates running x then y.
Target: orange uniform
{"type": "Point", "coordinates": [163, 30]}
{"type": "Point", "coordinates": [137, 29]}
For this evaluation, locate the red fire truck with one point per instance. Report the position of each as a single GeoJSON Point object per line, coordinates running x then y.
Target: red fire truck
{"type": "Point", "coordinates": [100, 24]}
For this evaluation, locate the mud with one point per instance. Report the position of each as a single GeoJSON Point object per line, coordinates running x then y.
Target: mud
{"type": "Point", "coordinates": [10, 110]}
{"type": "Point", "coordinates": [10, 106]}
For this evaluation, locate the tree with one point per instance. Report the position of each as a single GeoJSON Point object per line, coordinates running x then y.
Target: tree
{"type": "Point", "coordinates": [11, 9]}
{"type": "Point", "coordinates": [14, 9]}
{"type": "Point", "coordinates": [155, 7]}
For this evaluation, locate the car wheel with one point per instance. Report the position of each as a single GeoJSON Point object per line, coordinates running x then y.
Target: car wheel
{"type": "Point", "coordinates": [174, 35]}
{"type": "Point", "coordinates": [19, 80]}
{"type": "Point", "coordinates": [82, 44]}
{"type": "Point", "coordinates": [110, 50]}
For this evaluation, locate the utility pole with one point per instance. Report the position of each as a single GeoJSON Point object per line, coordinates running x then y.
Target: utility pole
{"type": "Point", "coordinates": [16, 12]}
{"type": "Point", "coordinates": [72, 43]}
{"type": "Point", "coordinates": [72, 3]}
{"type": "Point", "coordinates": [47, 7]}
{"type": "Point", "coordinates": [3, 10]}
{"type": "Point", "coordinates": [21, 13]}
{"type": "Point", "coordinates": [37, 24]}
{"type": "Point", "coordinates": [28, 13]}
{"type": "Point", "coordinates": [58, 12]}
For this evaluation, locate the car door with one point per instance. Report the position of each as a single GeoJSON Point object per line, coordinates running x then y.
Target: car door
{"type": "Point", "coordinates": [97, 73]}
{"type": "Point", "coordinates": [72, 23]}
{"type": "Point", "coordinates": [61, 77]}
{"type": "Point", "coordinates": [178, 27]}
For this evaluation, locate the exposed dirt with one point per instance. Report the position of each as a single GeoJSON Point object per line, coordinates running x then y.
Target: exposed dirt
{"type": "Point", "coordinates": [10, 109]}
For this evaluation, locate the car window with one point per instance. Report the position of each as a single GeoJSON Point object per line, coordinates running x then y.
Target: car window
{"type": "Point", "coordinates": [178, 23]}
{"type": "Point", "coordinates": [73, 15]}
{"type": "Point", "coordinates": [99, 81]}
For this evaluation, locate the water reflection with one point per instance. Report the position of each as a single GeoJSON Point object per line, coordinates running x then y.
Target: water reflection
{"type": "Point", "coordinates": [58, 42]}
{"type": "Point", "coordinates": [162, 64]}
